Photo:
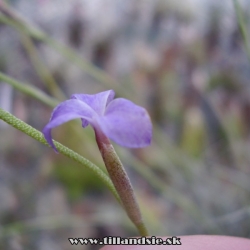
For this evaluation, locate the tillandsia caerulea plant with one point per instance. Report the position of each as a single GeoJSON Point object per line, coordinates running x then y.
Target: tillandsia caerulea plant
{"type": "Point", "coordinates": [118, 119]}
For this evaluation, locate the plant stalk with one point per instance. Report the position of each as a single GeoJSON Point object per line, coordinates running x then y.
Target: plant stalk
{"type": "Point", "coordinates": [121, 181]}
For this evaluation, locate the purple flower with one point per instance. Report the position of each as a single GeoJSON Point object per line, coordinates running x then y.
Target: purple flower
{"type": "Point", "coordinates": [119, 119]}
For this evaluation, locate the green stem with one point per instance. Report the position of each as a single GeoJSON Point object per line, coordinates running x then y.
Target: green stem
{"type": "Point", "coordinates": [10, 17]}
{"type": "Point", "coordinates": [29, 90]}
{"type": "Point", "coordinates": [242, 26]}
{"type": "Point", "coordinates": [121, 181]}
{"type": "Point", "coordinates": [35, 134]}
{"type": "Point", "coordinates": [39, 66]}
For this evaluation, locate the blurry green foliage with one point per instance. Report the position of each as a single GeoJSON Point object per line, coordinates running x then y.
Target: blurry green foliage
{"type": "Point", "coordinates": [76, 180]}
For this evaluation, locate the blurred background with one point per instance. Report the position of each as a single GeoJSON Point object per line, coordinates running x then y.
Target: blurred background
{"type": "Point", "coordinates": [186, 62]}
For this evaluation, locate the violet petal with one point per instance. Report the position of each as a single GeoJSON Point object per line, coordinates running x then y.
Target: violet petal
{"type": "Point", "coordinates": [97, 102]}
{"type": "Point", "coordinates": [66, 111]}
{"type": "Point", "coordinates": [127, 124]}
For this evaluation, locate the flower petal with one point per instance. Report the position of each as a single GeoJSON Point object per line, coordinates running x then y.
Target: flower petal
{"type": "Point", "coordinates": [97, 102]}
{"type": "Point", "coordinates": [66, 111]}
{"type": "Point", "coordinates": [127, 124]}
